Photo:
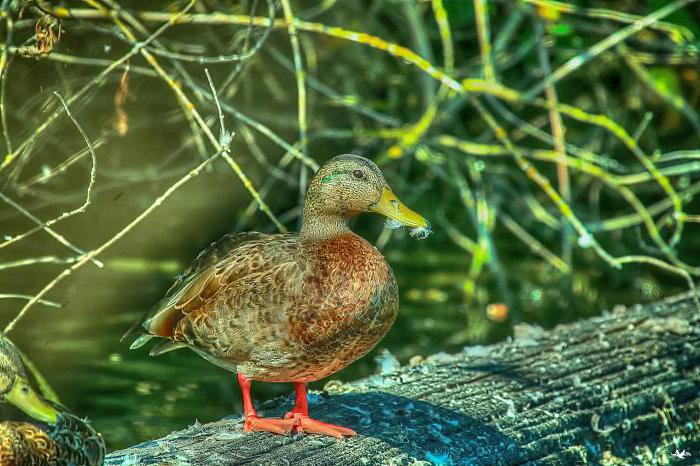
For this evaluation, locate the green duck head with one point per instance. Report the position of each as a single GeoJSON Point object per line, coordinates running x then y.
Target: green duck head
{"type": "Point", "coordinates": [15, 387]}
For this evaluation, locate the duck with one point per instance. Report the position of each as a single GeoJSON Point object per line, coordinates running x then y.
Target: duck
{"type": "Point", "coordinates": [51, 435]}
{"type": "Point", "coordinates": [291, 307]}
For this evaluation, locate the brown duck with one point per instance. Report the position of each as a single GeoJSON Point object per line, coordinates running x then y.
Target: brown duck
{"type": "Point", "coordinates": [291, 307]}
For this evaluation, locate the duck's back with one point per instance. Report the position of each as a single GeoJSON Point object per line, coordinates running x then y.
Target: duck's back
{"type": "Point", "coordinates": [78, 443]}
{"type": "Point", "coordinates": [277, 308]}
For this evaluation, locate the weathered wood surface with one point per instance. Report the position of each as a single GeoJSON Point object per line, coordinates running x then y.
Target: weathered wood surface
{"type": "Point", "coordinates": [622, 387]}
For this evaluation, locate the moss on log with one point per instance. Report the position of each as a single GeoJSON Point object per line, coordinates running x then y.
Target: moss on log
{"type": "Point", "coordinates": [618, 389]}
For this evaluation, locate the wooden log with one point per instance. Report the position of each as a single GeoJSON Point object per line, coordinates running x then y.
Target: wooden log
{"type": "Point", "coordinates": [623, 388]}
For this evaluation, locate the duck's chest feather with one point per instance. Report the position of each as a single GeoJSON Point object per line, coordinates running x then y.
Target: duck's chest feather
{"type": "Point", "coordinates": [348, 293]}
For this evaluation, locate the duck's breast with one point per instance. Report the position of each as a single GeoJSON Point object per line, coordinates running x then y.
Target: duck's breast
{"type": "Point", "coordinates": [349, 300]}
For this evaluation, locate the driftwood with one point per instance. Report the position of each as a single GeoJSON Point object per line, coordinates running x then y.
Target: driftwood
{"type": "Point", "coordinates": [619, 389]}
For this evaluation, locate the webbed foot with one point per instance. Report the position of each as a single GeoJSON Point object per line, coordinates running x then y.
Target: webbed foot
{"type": "Point", "coordinates": [303, 423]}
{"type": "Point", "coordinates": [262, 424]}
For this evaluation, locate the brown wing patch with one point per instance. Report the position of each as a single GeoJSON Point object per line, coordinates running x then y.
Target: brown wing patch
{"type": "Point", "coordinates": [196, 285]}
{"type": "Point", "coordinates": [250, 307]}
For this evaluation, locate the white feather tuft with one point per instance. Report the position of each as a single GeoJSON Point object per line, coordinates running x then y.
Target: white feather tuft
{"type": "Point", "coordinates": [393, 224]}
{"type": "Point", "coordinates": [417, 232]}
{"type": "Point", "coordinates": [420, 232]}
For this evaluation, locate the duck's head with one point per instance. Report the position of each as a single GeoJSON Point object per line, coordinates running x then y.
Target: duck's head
{"type": "Point", "coordinates": [15, 387]}
{"type": "Point", "coordinates": [348, 185]}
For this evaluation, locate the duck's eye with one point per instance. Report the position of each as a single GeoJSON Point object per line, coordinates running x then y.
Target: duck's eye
{"type": "Point", "coordinates": [358, 174]}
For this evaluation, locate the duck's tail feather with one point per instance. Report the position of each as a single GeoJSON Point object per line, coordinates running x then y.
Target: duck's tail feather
{"type": "Point", "coordinates": [132, 329]}
{"type": "Point", "coordinates": [140, 341]}
{"type": "Point", "coordinates": [165, 347]}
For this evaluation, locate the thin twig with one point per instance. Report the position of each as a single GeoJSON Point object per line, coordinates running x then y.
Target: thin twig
{"type": "Point", "coordinates": [558, 137]}
{"type": "Point", "coordinates": [27, 298]}
{"type": "Point", "coordinates": [299, 75]}
{"type": "Point", "coordinates": [484, 35]}
{"type": "Point", "coordinates": [606, 44]}
{"type": "Point", "coordinates": [97, 81]}
{"type": "Point", "coordinates": [41, 225]}
{"type": "Point", "coordinates": [190, 109]}
{"type": "Point", "coordinates": [107, 244]}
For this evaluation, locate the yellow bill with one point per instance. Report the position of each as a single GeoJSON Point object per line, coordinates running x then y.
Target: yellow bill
{"type": "Point", "coordinates": [26, 399]}
{"type": "Point", "coordinates": [390, 206]}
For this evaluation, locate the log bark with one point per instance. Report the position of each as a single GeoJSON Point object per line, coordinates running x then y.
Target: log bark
{"type": "Point", "coordinates": [623, 388]}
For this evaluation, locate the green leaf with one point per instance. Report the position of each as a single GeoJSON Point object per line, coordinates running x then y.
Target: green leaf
{"type": "Point", "coordinates": [666, 80]}
{"type": "Point", "coordinates": [561, 30]}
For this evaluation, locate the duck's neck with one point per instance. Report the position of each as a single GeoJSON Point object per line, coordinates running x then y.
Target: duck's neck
{"type": "Point", "coordinates": [319, 227]}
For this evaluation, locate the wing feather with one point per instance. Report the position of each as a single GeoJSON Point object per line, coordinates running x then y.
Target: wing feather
{"type": "Point", "coordinates": [209, 274]}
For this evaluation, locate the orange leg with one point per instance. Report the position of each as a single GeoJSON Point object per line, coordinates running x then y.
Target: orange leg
{"type": "Point", "coordinates": [259, 424]}
{"type": "Point", "coordinates": [302, 421]}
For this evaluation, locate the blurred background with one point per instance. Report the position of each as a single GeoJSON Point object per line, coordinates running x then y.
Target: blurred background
{"type": "Point", "coordinates": [553, 147]}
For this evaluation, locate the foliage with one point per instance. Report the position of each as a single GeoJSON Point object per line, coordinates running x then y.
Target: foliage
{"type": "Point", "coordinates": [554, 145]}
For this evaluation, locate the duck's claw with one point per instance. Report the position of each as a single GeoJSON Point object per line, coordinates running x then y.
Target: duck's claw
{"type": "Point", "coordinates": [261, 424]}
{"type": "Point", "coordinates": [312, 426]}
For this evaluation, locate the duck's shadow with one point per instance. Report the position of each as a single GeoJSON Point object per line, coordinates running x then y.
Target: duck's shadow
{"type": "Point", "coordinates": [422, 430]}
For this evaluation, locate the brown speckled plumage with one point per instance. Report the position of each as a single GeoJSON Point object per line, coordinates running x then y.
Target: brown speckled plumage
{"type": "Point", "coordinates": [290, 307]}
{"type": "Point", "coordinates": [23, 443]}
{"type": "Point", "coordinates": [280, 309]}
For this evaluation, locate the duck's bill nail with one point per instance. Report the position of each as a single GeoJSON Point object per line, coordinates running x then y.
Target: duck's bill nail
{"type": "Point", "coordinates": [25, 398]}
{"type": "Point", "coordinates": [390, 206]}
